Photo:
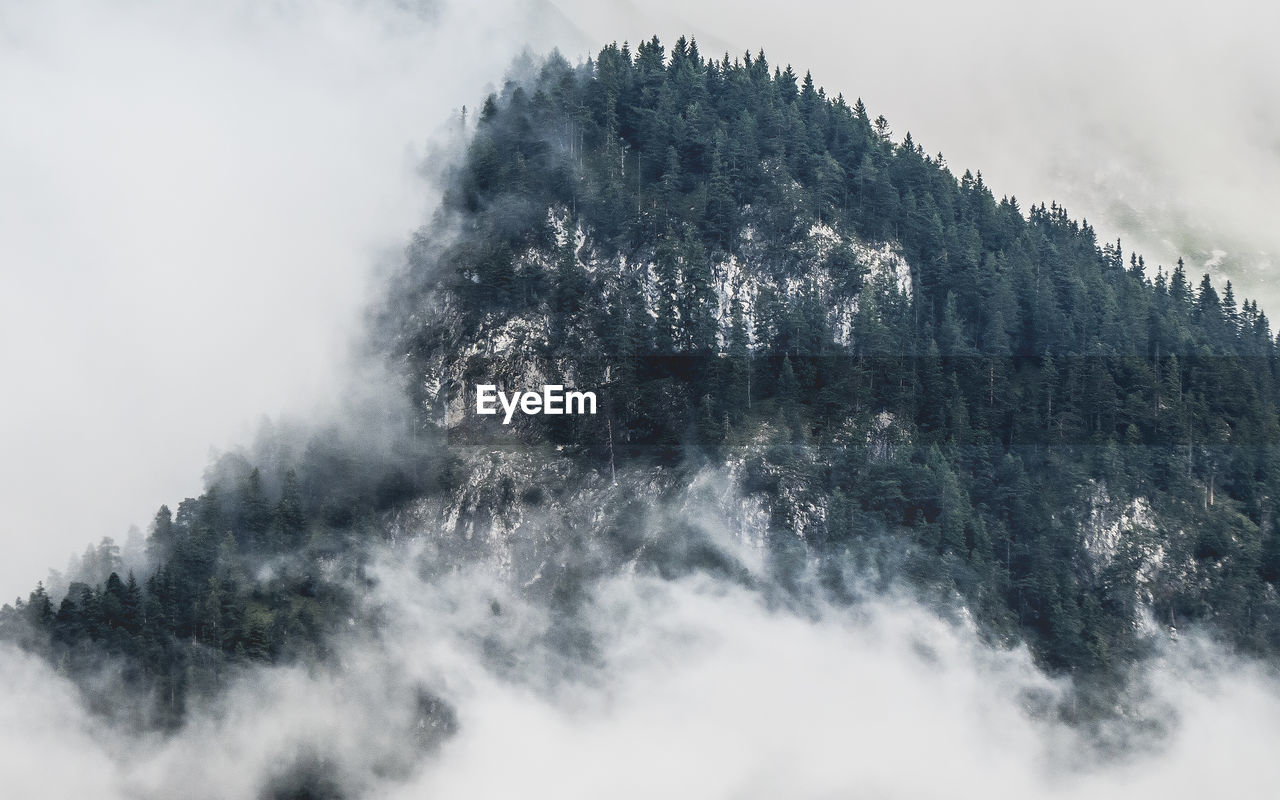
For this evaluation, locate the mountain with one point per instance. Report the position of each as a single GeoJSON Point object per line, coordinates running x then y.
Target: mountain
{"type": "Point", "coordinates": [823, 364]}
{"type": "Point", "coordinates": [756, 275]}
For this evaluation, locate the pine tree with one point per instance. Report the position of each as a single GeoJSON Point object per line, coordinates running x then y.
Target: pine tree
{"type": "Point", "coordinates": [722, 209]}
{"type": "Point", "coordinates": [697, 296]}
{"type": "Point", "coordinates": [256, 512]}
{"type": "Point", "coordinates": [39, 608]}
{"type": "Point", "coordinates": [289, 520]}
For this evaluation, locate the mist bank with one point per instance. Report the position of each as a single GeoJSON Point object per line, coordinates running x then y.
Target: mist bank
{"type": "Point", "coordinates": [696, 687]}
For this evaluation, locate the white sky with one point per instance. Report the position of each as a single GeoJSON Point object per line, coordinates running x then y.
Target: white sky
{"type": "Point", "coordinates": [192, 196]}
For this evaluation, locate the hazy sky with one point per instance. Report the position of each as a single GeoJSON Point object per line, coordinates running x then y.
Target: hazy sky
{"type": "Point", "coordinates": [193, 195]}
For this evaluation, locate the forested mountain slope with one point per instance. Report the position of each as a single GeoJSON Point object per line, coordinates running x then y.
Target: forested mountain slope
{"type": "Point", "coordinates": [905, 376]}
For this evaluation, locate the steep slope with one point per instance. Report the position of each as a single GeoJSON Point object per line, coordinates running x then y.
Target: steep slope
{"type": "Point", "coordinates": [819, 357]}
{"type": "Point", "coordinates": [754, 274]}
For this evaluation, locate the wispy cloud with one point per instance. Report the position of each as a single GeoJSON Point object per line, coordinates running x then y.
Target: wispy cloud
{"type": "Point", "coordinates": [192, 199]}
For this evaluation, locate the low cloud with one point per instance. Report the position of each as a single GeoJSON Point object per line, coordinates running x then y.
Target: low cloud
{"type": "Point", "coordinates": [696, 687]}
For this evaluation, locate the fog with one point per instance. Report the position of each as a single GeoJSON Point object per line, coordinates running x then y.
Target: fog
{"type": "Point", "coordinates": [193, 198]}
{"type": "Point", "coordinates": [692, 688]}
{"type": "Point", "coordinates": [196, 201]}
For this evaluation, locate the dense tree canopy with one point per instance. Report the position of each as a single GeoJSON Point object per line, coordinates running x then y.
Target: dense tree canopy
{"type": "Point", "coordinates": [1027, 369]}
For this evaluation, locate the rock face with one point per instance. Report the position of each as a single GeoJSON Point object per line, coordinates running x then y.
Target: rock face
{"type": "Point", "coordinates": [1125, 536]}
{"type": "Point", "coordinates": [523, 497]}
{"type": "Point", "coordinates": [516, 349]}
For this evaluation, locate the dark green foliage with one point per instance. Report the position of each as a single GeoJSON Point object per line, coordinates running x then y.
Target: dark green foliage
{"type": "Point", "coordinates": [238, 576]}
{"type": "Point", "coordinates": [1028, 367]}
